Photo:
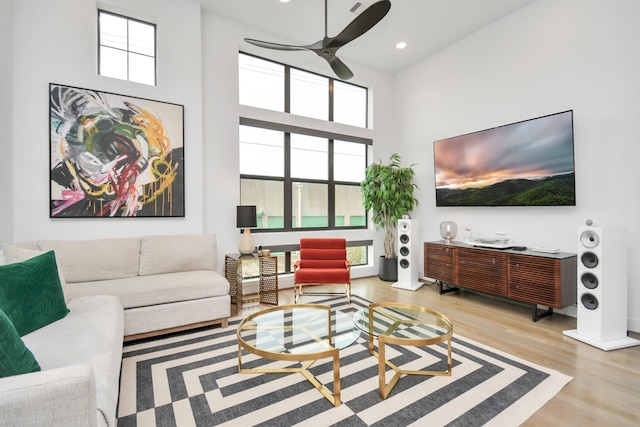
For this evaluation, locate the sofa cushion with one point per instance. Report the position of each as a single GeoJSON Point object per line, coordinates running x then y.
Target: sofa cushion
{"type": "Point", "coordinates": [15, 357]}
{"type": "Point", "coordinates": [87, 260]}
{"type": "Point", "coordinates": [31, 294]}
{"type": "Point", "coordinates": [176, 253]}
{"type": "Point", "coordinates": [140, 320]}
{"type": "Point", "coordinates": [10, 254]}
{"type": "Point", "coordinates": [91, 334]}
{"type": "Point", "coordinates": [157, 289]}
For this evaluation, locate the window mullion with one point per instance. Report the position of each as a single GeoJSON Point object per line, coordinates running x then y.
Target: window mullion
{"type": "Point", "coordinates": [128, 50]}
{"type": "Point", "coordinates": [288, 184]}
{"type": "Point", "coordinates": [287, 89]}
{"type": "Point", "coordinates": [331, 100]}
{"type": "Point", "coordinates": [331, 187]}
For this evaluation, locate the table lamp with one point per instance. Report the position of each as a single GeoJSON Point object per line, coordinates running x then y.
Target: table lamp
{"type": "Point", "coordinates": [246, 218]}
{"type": "Point", "coordinates": [448, 231]}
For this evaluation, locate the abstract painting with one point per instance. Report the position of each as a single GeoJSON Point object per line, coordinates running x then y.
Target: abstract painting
{"type": "Point", "coordinates": [114, 155]}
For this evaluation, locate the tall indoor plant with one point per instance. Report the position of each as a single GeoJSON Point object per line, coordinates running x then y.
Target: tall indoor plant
{"type": "Point", "coordinates": [388, 191]}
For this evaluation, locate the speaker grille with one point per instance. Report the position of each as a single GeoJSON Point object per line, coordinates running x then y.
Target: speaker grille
{"type": "Point", "coordinates": [589, 280]}
{"type": "Point", "coordinates": [589, 301]}
{"type": "Point", "coordinates": [589, 260]}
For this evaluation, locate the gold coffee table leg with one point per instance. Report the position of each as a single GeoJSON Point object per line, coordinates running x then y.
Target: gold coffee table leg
{"type": "Point", "coordinates": [404, 325]}
{"type": "Point", "coordinates": [384, 388]}
{"type": "Point", "coordinates": [334, 397]}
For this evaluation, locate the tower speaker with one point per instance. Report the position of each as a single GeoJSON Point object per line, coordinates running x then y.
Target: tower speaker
{"type": "Point", "coordinates": [408, 249]}
{"type": "Point", "coordinates": [602, 288]}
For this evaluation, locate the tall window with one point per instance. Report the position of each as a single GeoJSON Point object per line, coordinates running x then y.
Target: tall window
{"type": "Point", "coordinates": [302, 178]}
{"type": "Point", "coordinates": [126, 48]}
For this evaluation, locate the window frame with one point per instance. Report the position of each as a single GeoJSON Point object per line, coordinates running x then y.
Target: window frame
{"type": "Point", "coordinates": [128, 50]}
{"type": "Point", "coordinates": [288, 181]}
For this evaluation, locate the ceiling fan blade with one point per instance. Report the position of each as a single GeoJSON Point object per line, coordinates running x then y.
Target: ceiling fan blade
{"type": "Point", "coordinates": [339, 67]}
{"type": "Point", "coordinates": [327, 47]}
{"type": "Point", "coordinates": [363, 23]}
{"type": "Point", "coordinates": [276, 46]}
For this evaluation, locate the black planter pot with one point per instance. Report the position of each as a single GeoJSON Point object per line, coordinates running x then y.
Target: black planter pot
{"type": "Point", "coordinates": [388, 270]}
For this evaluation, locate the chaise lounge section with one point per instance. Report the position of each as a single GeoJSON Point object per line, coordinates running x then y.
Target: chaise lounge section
{"type": "Point", "coordinates": [79, 357]}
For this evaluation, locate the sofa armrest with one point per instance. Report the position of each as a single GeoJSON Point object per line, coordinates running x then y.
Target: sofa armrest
{"type": "Point", "coordinates": [57, 397]}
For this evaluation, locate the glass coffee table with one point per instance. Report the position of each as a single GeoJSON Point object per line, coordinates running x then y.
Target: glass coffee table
{"type": "Point", "coordinates": [402, 324]}
{"type": "Point", "coordinates": [302, 333]}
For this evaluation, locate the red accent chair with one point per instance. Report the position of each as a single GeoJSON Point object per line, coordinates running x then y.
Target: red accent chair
{"type": "Point", "coordinates": [322, 261]}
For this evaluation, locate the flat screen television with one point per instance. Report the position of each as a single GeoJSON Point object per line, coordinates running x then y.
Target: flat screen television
{"type": "Point", "coordinates": [528, 163]}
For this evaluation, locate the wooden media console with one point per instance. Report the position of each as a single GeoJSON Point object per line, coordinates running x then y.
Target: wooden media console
{"type": "Point", "coordinates": [547, 279]}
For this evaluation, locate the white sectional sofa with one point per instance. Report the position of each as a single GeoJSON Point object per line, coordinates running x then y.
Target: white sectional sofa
{"type": "Point", "coordinates": [113, 288]}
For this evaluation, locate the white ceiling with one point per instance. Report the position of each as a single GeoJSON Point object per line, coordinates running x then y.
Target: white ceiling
{"type": "Point", "coordinates": [427, 26]}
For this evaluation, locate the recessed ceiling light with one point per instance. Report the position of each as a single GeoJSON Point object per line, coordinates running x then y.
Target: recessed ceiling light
{"type": "Point", "coordinates": [401, 45]}
{"type": "Point", "coordinates": [284, 1]}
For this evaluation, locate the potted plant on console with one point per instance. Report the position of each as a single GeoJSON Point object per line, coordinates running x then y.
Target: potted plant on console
{"type": "Point", "coordinates": [388, 191]}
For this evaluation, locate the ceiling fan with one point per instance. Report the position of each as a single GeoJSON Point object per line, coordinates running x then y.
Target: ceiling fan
{"type": "Point", "coordinates": [328, 46]}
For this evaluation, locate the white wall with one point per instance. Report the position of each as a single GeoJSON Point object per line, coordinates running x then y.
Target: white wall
{"type": "Point", "coordinates": [551, 56]}
{"type": "Point", "coordinates": [6, 147]}
{"type": "Point", "coordinates": [56, 43]}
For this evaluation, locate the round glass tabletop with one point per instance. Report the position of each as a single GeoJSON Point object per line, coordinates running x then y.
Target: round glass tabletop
{"type": "Point", "coordinates": [298, 329]}
{"type": "Point", "coordinates": [402, 321]}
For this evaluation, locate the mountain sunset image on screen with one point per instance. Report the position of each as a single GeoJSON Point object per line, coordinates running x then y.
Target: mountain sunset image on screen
{"type": "Point", "coordinates": [528, 163]}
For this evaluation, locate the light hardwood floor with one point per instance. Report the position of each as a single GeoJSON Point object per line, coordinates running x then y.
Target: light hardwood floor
{"type": "Point", "coordinates": [605, 390]}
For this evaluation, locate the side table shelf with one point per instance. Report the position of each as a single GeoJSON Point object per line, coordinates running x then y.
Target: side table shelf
{"type": "Point", "coordinates": [267, 276]}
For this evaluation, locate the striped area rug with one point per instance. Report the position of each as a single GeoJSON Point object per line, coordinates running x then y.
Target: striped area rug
{"type": "Point", "coordinates": [192, 379]}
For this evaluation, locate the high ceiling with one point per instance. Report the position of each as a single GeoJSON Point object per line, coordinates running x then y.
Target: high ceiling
{"type": "Point", "coordinates": [427, 26]}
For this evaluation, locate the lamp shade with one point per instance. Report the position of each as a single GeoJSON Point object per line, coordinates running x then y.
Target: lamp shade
{"type": "Point", "coordinates": [246, 217]}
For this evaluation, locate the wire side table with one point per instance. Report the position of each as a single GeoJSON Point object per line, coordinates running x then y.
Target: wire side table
{"type": "Point", "coordinates": [267, 276]}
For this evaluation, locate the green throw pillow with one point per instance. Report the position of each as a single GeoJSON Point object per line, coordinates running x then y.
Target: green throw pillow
{"type": "Point", "coordinates": [30, 293]}
{"type": "Point", "coordinates": [15, 358]}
